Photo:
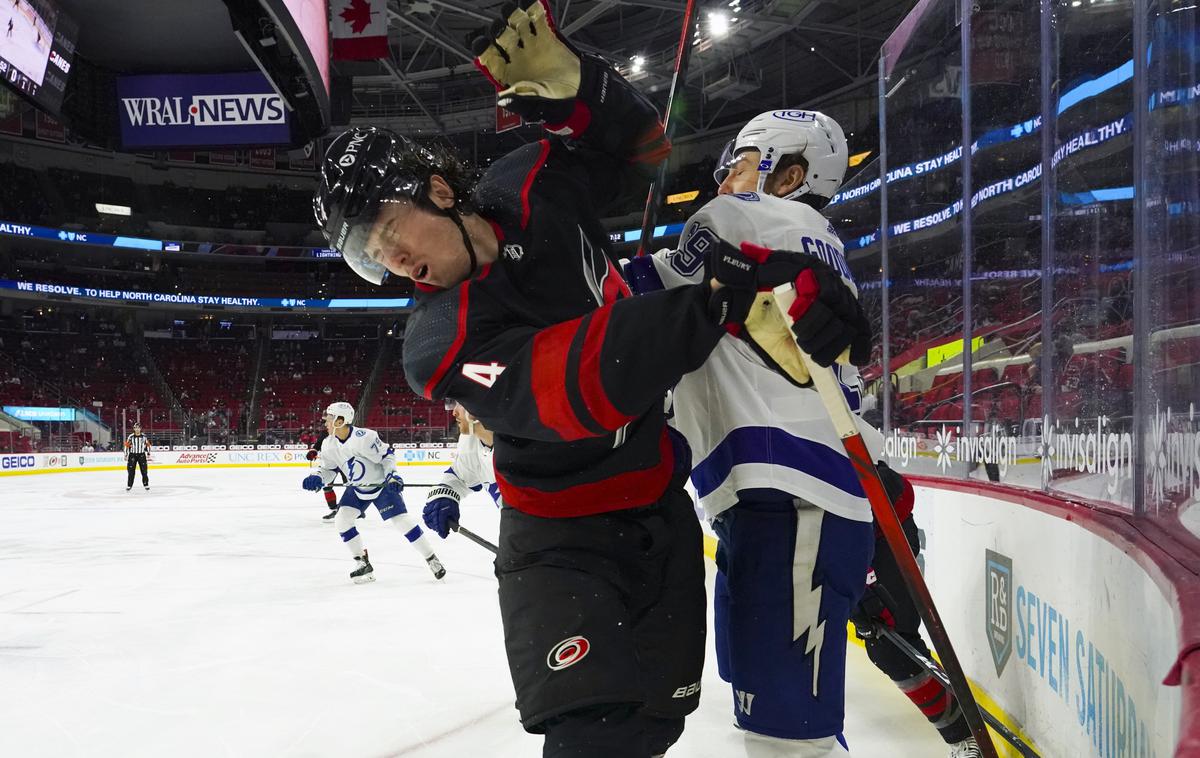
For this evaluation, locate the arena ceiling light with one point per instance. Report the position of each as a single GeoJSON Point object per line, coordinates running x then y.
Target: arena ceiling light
{"type": "Point", "coordinates": [637, 63]}
{"type": "Point", "coordinates": [718, 24]}
{"type": "Point", "coordinates": [114, 210]}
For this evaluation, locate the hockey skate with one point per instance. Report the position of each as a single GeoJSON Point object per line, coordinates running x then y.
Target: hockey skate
{"type": "Point", "coordinates": [435, 566]}
{"type": "Point", "coordinates": [968, 748]}
{"type": "Point", "coordinates": [329, 516]}
{"type": "Point", "coordinates": [364, 573]}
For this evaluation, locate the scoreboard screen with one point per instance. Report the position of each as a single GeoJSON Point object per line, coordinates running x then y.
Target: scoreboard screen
{"type": "Point", "coordinates": [37, 45]}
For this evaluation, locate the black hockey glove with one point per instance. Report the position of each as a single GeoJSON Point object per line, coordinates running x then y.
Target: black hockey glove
{"type": "Point", "coordinates": [826, 315]}
{"type": "Point", "coordinates": [893, 483]}
{"type": "Point", "coordinates": [873, 613]}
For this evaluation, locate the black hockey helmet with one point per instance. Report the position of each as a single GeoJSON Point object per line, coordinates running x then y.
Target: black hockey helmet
{"type": "Point", "coordinates": [366, 167]}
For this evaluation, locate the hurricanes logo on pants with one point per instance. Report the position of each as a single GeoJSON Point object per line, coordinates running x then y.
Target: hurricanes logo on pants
{"type": "Point", "coordinates": [570, 651]}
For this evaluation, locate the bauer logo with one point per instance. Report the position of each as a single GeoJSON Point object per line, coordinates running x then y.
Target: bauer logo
{"type": "Point", "coordinates": [17, 461]}
{"type": "Point", "coordinates": [998, 599]}
{"type": "Point", "coordinates": [570, 651]}
{"type": "Point", "coordinates": [201, 110]}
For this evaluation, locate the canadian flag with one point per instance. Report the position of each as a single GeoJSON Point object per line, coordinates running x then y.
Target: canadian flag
{"type": "Point", "coordinates": [359, 29]}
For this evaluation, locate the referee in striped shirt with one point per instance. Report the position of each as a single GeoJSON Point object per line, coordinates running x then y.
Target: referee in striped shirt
{"type": "Point", "coordinates": [137, 447]}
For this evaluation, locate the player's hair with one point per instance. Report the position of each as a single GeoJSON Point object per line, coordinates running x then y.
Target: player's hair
{"type": "Point", "coordinates": [460, 175]}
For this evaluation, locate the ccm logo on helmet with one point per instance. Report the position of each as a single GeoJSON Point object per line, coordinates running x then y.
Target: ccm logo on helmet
{"type": "Point", "coordinates": [796, 115]}
{"type": "Point", "coordinates": [570, 651]}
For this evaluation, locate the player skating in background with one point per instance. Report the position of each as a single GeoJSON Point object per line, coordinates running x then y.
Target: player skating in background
{"type": "Point", "coordinates": [793, 521]}
{"type": "Point", "coordinates": [472, 471]}
{"type": "Point", "coordinates": [327, 490]}
{"type": "Point", "coordinates": [887, 604]}
{"type": "Point", "coordinates": [371, 477]}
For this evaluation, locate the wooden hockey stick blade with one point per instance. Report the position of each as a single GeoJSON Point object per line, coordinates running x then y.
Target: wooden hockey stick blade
{"type": "Point", "coordinates": [934, 669]}
{"type": "Point", "coordinates": [846, 426]}
{"type": "Point", "coordinates": [473, 537]}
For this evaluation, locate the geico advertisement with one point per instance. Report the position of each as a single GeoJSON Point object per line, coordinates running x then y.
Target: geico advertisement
{"type": "Point", "coordinates": [16, 462]}
{"type": "Point", "coordinates": [1066, 632]}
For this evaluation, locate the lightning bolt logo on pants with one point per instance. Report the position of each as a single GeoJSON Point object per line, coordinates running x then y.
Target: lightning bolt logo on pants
{"type": "Point", "coordinates": [806, 599]}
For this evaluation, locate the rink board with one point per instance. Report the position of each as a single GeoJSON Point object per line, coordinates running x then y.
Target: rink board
{"type": "Point", "coordinates": [1061, 625]}
{"type": "Point", "coordinates": [51, 463]}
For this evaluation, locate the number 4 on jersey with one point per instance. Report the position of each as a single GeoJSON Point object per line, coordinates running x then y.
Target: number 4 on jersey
{"type": "Point", "coordinates": [483, 373]}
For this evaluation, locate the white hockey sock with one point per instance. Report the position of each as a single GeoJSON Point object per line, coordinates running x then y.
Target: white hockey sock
{"type": "Point", "coordinates": [344, 522]}
{"type": "Point", "coordinates": [408, 524]}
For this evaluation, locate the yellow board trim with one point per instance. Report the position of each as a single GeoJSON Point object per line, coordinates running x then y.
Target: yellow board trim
{"type": "Point", "coordinates": [299, 464]}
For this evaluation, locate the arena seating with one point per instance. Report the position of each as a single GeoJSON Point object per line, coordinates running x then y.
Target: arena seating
{"type": "Point", "coordinates": [210, 378]}
{"type": "Point", "coordinates": [301, 377]}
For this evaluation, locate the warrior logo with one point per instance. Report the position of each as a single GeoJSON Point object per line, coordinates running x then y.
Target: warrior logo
{"type": "Point", "coordinates": [998, 600]}
{"type": "Point", "coordinates": [570, 651]}
{"type": "Point", "coordinates": [745, 701]}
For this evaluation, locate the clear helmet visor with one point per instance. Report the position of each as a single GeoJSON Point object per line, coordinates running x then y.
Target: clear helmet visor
{"type": "Point", "coordinates": [360, 235]}
{"type": "Point", "coordinates": [725, 162]}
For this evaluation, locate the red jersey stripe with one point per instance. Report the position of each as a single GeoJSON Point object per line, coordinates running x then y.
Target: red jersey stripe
{"type": "Point", "coordinates": [591, 387]}
{"type": "Point", "coordinates": [614, 286]}
{"type": "Point", "coordinates": [537, 166]}
{"type": "Point", "coordinates": [612, 494]}
{"type": "Point", "coordinates": [548, 375]}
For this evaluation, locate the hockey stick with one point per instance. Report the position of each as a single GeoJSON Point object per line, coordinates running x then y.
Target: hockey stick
{"type": "Point", "coordinates": [678, 82]}
{"type": "Point", "coordinates": [844, 424]}
{"type": "Point", "coordinates": [406, 486]}
{"type": "Point", "coordinates": [473, 537]}
{"type": "Point", "coordinates": [921, 660]}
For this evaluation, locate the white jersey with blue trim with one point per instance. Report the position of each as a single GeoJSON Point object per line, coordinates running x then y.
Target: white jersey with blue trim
{"type": "Point", "coordinates": [367, 461]}
{"type": "Point", "coordinates": [472, 469]}
{"type": "Point", "coordinates": [748, 427]}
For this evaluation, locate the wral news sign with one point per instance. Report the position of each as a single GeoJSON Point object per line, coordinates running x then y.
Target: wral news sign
{"type": "Point", "coordinates": [201, 110]}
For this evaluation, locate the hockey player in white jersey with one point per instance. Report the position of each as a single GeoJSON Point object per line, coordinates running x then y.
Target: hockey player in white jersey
{"type": "Point", "coordinates": [472, 471]}
{"type": "Point", "coordinates": [794, 523]}
{"type": "Point", "coordinates": [370, 469]}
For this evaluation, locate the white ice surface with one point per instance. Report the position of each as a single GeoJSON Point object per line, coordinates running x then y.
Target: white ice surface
{"type": "Point", "coordinates": [213, 616]}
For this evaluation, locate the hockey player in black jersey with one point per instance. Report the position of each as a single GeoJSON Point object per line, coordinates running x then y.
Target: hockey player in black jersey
{"type": "Point", "coordinates": [522, 317]}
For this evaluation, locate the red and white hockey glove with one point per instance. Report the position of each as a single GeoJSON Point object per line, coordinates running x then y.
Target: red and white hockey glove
{"type": "Point", "coordinates": [827, 318]}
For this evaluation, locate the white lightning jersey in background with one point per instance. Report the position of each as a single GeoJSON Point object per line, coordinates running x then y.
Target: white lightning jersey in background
{"type": "Point", "coordinates": [472, 469]}
{"type": "Point", "coordinates": [748, 427]}
{"type": "Point", "coordinates": [366, 460]}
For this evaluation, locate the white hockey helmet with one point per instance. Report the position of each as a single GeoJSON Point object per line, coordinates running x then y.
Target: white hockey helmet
{"type": "Point", "coordinates": [342, 409]}
{"type": "Point", "coordinates": [776, 134]}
